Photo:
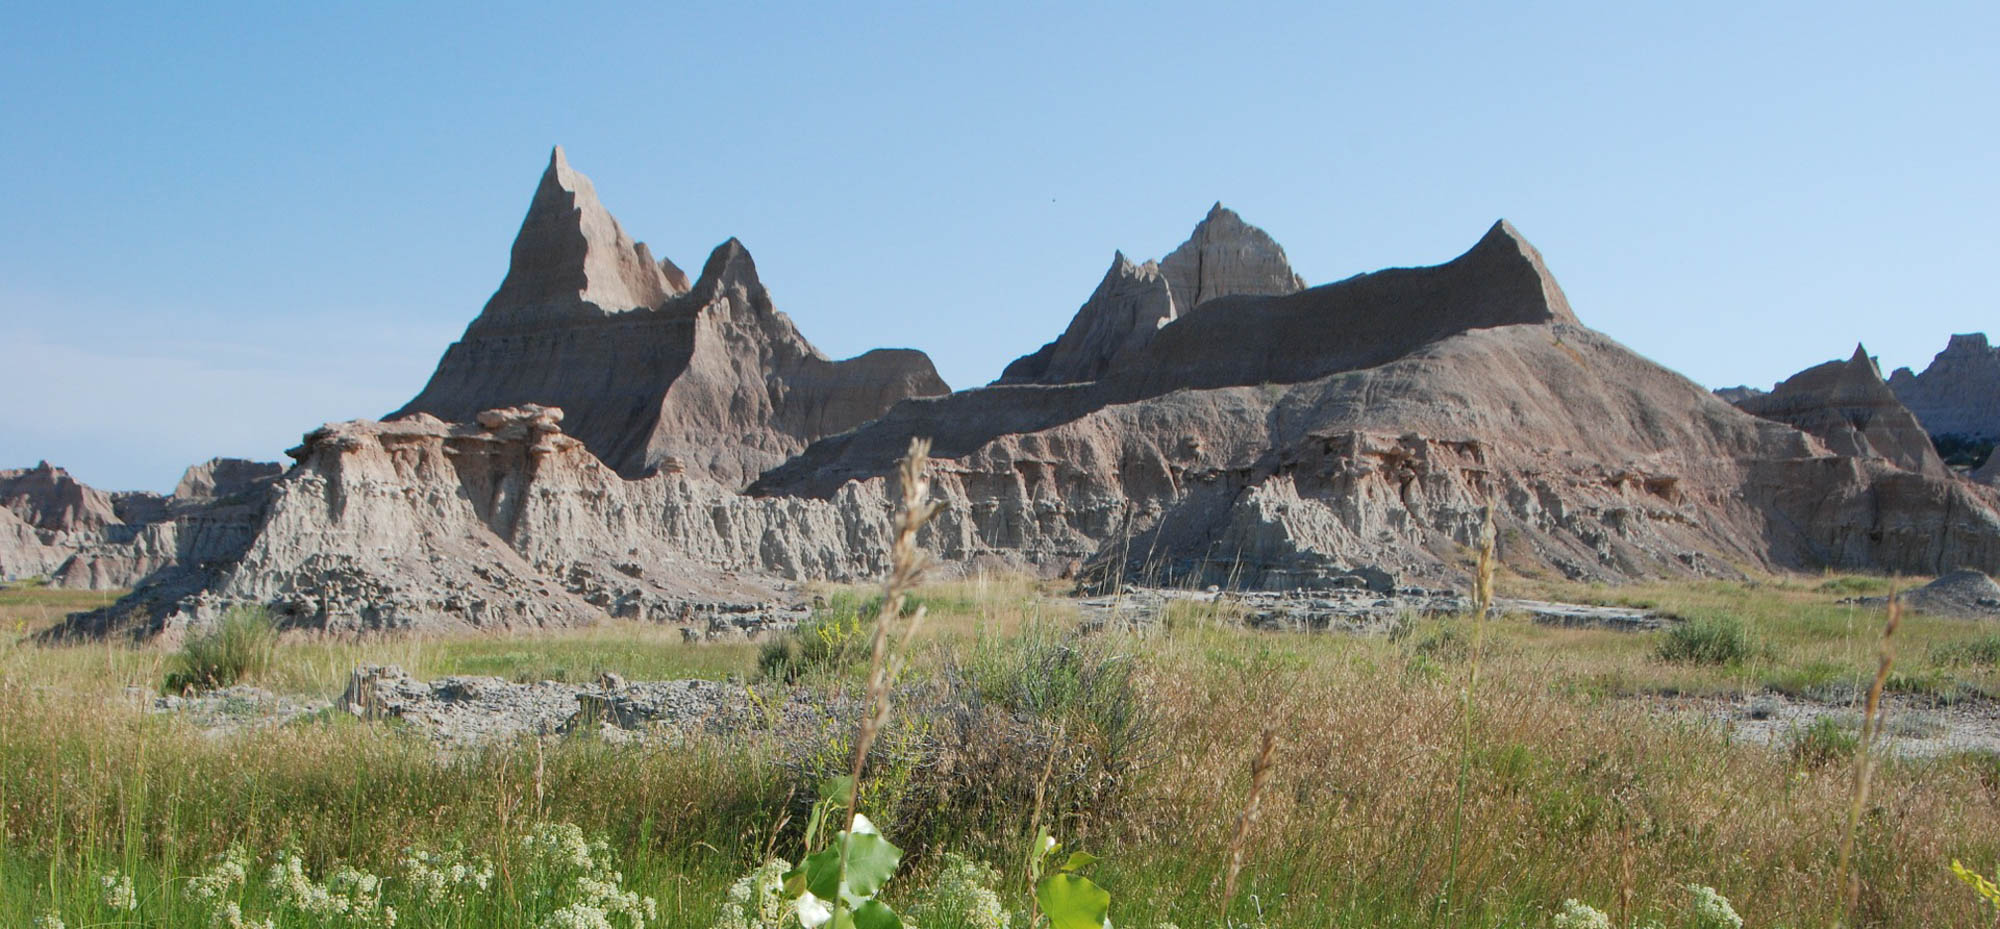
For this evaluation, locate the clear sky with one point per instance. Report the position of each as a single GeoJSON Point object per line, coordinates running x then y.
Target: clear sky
{"type": "Point", "coordinates": [226, 224]}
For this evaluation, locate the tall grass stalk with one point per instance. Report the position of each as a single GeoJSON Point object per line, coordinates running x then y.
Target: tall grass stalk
{"type": "Point", "coordinates": [1482, 604]}
{"type": "Point", "coordinates": [1260, 775]}
{"type": "Point", "coordinates": [1864, 766]}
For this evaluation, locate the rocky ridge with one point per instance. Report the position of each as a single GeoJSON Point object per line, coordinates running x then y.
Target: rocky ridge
{"type": "Point", "coordinates": [654, 371]}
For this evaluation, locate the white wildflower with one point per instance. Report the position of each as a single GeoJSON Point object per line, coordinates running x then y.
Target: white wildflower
{"type": "Point", "coordinates": [231, 871]}
{"type": "Point", "coordinates": [577, 916]}
{"type": "Point", "coordinates": [1576, 914]}
{"type": "Point", "coordinates": [118, 892]}
{"type": "Point", "coordinates": [1712, 910]}
{"type": "Point", "coordinates": [963, 895]}
{"type": "Point", "coordinates": [230, 916]}
{"type": "Point", "coordinates": [757, 900]}
{"type": "Point", "coordinates": [49, 921]}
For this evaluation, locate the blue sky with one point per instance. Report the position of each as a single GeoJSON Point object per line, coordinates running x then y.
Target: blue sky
{"type": "Point", "coordinates": [229, 223]}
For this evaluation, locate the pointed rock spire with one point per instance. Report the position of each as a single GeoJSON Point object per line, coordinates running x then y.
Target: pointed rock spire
{"type": "Point", "coordinates": [1958, 394]}
{"type": "Point", "coordinates": [1130, 304]}
{"type": "Point", "coordinates": [1225, 256]}
{"type": "Point", "coordinates": [1849, 407]}
{"type": "Point", "coordinates": [570, 254]}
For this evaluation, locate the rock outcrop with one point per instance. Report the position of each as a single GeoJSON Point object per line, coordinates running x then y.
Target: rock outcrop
{"type": "Point", "coordinates": [655, 372]}
{"type": "Point", "coordinates": [1224, 257]}
{"type": "Point", "coordinates": [1850, 408]}
{"type": "Point", "coordinates": [1959, 393]}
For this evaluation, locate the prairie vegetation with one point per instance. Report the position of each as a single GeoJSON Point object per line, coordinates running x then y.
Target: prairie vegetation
{"type": "Point", "coordinates": [1578, 782]}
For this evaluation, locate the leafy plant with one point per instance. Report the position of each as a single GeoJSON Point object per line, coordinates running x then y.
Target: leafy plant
{"type": "Point", "coordinates": [1824, 742]}
{"type": "Point", "coordinates": [1066, 897]}
{"type": "Point", "coordinates": [242, 645]}
{"type": "Point", "coordinates": [1986, 889]}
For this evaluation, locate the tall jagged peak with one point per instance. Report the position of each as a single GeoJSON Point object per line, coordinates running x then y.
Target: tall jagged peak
{"type": "Point", "coordinates": [1968, 343]}
{"type": "Point", "coordinates": [730, 272]}
{"type": "Point", "coordinates": [1849, 406]}
{"type": "Point", "coordinates": [571, 254]}
{"type": "Point", "coordinates": [1224, 256]}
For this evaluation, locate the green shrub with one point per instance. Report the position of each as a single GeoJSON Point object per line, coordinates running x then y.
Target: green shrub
{"type": "Point", "coordinates": [837, 637]}
{"type": "Point", "coordinates": [241, 645]}
{"type": "Point", "coordinates": [1824, 742]}
{"type": "Point", "coordinates": [1081, 681]}
{"type": "Point", "coordinates": [1718, 641]}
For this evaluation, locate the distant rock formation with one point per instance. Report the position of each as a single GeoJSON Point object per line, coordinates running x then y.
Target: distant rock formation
{"type": "Point", "coordinates": [648, 366]}
{"type": "Point", "coordinates": [221, 478]}
{"type": "Point", "coordinates": [1738, 394]}
{"type": "Point", "coordinates": [1959, 393]}
{"type": "Point", "coordinates": [1225, 256]}
{"type": "Point", "coordinates": [1849, 407]}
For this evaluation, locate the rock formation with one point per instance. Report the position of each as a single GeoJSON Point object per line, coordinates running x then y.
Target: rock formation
{"type": "Point", "coordinates": [1225, 256]}
{"type": "Point", "coordinates": [222, 478]}
{"type": "Point", "coordinates": [1959, 394]}
{"type": "Point", "coordinates": [651, 368]}
{"type": "Point", "coordinates": [1359, 428]}
{"type": "Point", "coordinates": [1345, 436]}
{"type": "Point", "coordinates": [1129, 306]}
{"type": "Point", "coordinates": [1849, 407]}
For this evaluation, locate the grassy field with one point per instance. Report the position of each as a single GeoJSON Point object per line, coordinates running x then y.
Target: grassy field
{"type": "Point", "coordinates": [1387, 804]}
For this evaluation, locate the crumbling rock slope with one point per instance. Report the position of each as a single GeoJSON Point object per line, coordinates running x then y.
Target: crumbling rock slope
{"type": "Point", "coordinates": [1959, 393]}
{"type": "Point", "coordinates": [656, 372]}
{"type": "Point", "coordinates": [503, 522]}
{"type": "Point", "coordinates": [1849, 407]}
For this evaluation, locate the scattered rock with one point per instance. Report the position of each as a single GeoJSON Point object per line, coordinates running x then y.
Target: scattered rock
{"type": "Point", "coordinates": [1963, 594]}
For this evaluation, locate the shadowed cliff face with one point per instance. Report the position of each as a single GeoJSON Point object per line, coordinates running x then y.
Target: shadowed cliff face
{"type": "Point", "coordinates": [654, 371]}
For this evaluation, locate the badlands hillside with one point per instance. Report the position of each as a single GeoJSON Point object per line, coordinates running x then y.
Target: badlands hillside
{"type": "Point", "coordinates": [610, 438]}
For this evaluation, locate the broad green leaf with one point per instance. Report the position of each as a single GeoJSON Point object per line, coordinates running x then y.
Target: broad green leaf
{"type": "Point", "coordinates": [795, 880]}
{"type": "Point", "coordinates": [813, 912]}
{"type": "Point", "coordinates": [1079, 860]}
{"type": "Point", "coordinates": [864, 826]}
{"type": "Point", "coordinates": [823, 874]}
{"type": "Point", "coordinates": [837, 789]}
{"type": "Point", "coordinates": [876, 915]}
{"type": "Point", "coordinates": [870, 861]}
{"type": "Point", "coordinates": [1073, 902]}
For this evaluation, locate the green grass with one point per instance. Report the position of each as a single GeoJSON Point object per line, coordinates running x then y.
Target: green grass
{"type": "Point", "coordinates": [1146, 739]}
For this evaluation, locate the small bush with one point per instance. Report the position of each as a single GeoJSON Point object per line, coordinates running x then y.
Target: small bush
{"type": "Point", "coordinates": [1824, 742]}
{"type": "Point", "coordinates": [1708, 641]}
{"type": "Point", "coordinates": [242, 645]}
